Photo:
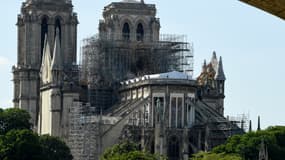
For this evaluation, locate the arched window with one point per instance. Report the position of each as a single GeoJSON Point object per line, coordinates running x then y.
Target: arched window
{"type": "Point", "coordinates": [44, 31]}
{"type": "Point", "coordinates": [140, 32]}
{"type": "Point", "coordinates": [126, 32]}
{"type": "Point", "coordinates": [58, 25]}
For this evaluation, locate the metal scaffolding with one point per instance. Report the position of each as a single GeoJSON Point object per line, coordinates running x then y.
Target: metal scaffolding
{"type": "Point", "coordinates": [105, 62]}
{"type": "Point", "coordinates": [241, 120]}
{"type": "Point", "coordinates": [84, 132]}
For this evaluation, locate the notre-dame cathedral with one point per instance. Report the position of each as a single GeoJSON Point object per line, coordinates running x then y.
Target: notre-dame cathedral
{"type": "Point", "coordinates": [132, 82]}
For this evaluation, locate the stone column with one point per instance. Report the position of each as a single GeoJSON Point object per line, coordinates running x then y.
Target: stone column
{"type": "Point", "coordinates": [56, 112]}
{"type": "Point", "coordinates": [199, 140]}
{"type": "Point", "coordinates": [169, 118]}
{"type": "Point", "coordinates": [157, 139]}
{"type": "Point", "coordinates": [68, 101]}
{"type": "Point", "coordinates": [34, 96]}
{"type": "Point", "coordinates": [183, 113]}
{"type": "Point", "coordinates": [143, 132]}
{"type": "Point", "coordinates": [192, 116]}
{"type": "Point", "coordinates": [16, 81]}
{"type": "Point", "coordinates": [185, 144]}
{"type": "Point", "coordinates": [24, 90]}
{"type": "Point", "coordinates": [161, 149]}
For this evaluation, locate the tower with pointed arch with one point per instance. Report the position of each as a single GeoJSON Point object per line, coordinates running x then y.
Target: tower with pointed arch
{"type": "Point", "coordinates": [133, 21]}
{"type": "Point", "coordinates": [139, 80]}
{"type": "Point", "coordinates": [40, 20]}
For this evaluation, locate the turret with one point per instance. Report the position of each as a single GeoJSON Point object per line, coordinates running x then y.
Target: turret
{"type": "Point", "coordinates": [214, 61]}
{"type": "Point", "coordinates": [204, 67]}
{"type": "Point", "coordinates": [220, 77]}
{"type": "Point", "coordinates": [258, 124]}
{"type": "Point", "coordinates": [250, 126]}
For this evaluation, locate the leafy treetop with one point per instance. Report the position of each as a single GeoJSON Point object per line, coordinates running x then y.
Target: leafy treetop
{"type": "Point", "coordinates": [248, 145]}
{"type": "Point", "coordinates": [14, 119]}
{"type": "Point", "coordinates": [128, 151]}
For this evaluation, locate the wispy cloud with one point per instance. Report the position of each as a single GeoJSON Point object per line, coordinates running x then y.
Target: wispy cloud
{"type": "Point", "coordinates": [4, 61]}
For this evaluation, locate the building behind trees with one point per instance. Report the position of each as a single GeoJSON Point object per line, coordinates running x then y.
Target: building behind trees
{"type": "Point", "coordinates": [132, 82]}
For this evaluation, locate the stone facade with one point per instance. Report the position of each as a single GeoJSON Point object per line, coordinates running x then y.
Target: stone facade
{"type": "Point", "coordinates": [38, 21]}
{"type": "Point", "coordinates": [166, 113]}
{"type": "Point", "coordinates": [130, 16]}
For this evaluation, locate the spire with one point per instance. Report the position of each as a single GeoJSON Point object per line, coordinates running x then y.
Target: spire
{"type": "Point", "coordinates": [214, 55]}
{"type": "Point", "coordinates": [220, 75]}
{"type": "Point", "coordinates": [204, 67]}
{"type": "Point", "coordinates": [250, 126]}
{"type": "Point", "coordinates": [142, 1]}
{"type": "Point", "coordinates": [46, 62]}
{"type": "Point", "coordinates": [57, 61]}
{"type": "Point", "coordinates": [214, 61]}
{"type": "Point", "coordinates": [258, 124]}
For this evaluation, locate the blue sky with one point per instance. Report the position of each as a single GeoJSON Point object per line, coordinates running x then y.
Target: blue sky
{"type": "Point", "coordinates": [250, 41]}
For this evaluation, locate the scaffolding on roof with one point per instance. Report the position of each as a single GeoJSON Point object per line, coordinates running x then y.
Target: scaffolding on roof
{"type": "Point", "coordinates": [106, 61]}
{"type": "Point", "coordinates": [84, 132]}
{"type": "Point", "coordinates": [241, 120]}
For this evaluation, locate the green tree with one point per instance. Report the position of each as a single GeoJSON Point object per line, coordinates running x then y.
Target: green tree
{"type": "Point", "coordinates": [20, 145]}
{"type": "Point", "coordinates": [127, 151]}
{"type": "Point", "coordinates": [14, 119]}
{"type": "Point", "coordinates": [54, 149]}
{"type": "Point", "coordinates": [248, 145]}
{"type": "Point", "coordinates": [26, 145]}
{"type": "Point", "coordinates": [19, 142]}
{"type": "Point", "coordinates": [215, 156]}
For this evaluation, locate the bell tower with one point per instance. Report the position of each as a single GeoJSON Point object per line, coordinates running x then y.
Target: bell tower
{"type": "Point", "coordinates": [131, 21]}
{"type": "Point", "coordinates": [39, 19]}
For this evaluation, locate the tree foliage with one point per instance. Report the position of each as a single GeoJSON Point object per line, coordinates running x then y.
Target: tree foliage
{"type": "Point", "coordinates": [127, 151]}
{"type": "Point", "coordinates": [215, 156]}
{"type": "Point", "coordinates": [248, 145]}
{"type": "Point", "coordinates": [54, 149]}
{"type": "Point", "coordinates": [14, 119]}
{"type": "Point", "coordinates": [19, 142]}
{"type": "Point", "coordinates": [20, 145]}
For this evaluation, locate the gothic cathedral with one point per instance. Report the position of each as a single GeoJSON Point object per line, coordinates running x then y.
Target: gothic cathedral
{"type": "Point", "coordinates": [132, 82]}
